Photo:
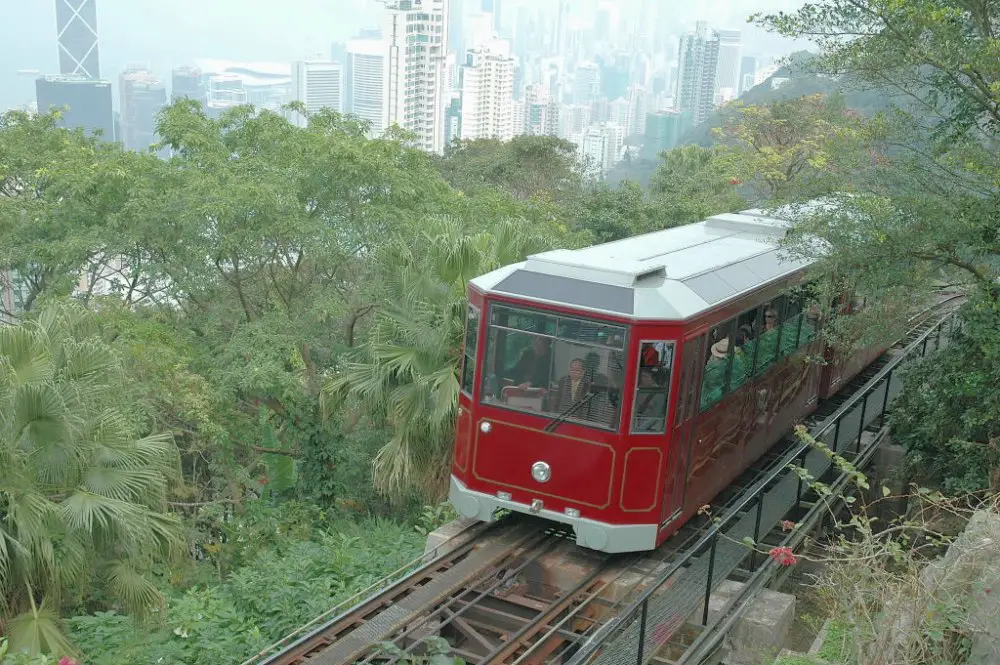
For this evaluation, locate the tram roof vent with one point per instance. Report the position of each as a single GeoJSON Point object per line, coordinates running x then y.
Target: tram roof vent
{"type": "Point", "coordinates": [749, 221]}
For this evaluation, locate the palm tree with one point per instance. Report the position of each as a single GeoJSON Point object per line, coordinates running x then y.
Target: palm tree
{"type": "Point", "coordinates": [406, 373]}
{"type": "Point", "coordinates": [82, 497]}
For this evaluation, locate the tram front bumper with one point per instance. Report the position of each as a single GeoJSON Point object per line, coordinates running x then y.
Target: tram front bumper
{"type": "Point", "coordinates": [611, 538]}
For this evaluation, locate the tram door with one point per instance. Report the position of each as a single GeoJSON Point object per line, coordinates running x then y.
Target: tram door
{"type": "Point", "coordinates": [679, 448]}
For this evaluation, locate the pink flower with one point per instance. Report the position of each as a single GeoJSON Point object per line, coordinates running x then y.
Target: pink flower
{"type": "Point", "coordinates": [783, 555]}
{"type": "Point", "coordinates": [66, 660]}
{"type": "Point", "coordinates": [787, 525]}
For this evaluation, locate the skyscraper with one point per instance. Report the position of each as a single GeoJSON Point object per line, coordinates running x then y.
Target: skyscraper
{"type": "Point", "coordinates": [367, 81]}
{"type": "Point", "coordinates": [88, 102]}
{"type": "Point", "coordinates": [318, 84]}
{"type": "Point", "coordinates": [728, 82]}
{"type": "Point", "coordinates": [76, 28]}
{"type": "Point", "coordinates": [697, 76]}
{"type": "Point", "coordinates": [417, 36]}
{"type": "Point", "coordinates": [488, 92]}
{"type": "Point", "coordinates": [142, 95]}
{"type": "Point", "coordinates": [186, 83]}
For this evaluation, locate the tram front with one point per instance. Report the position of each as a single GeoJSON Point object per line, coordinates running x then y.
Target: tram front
{"type": "Point", "coordinates": [539, 426]}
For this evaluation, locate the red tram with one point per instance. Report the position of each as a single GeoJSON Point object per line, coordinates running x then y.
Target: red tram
{"type": "Point", "coordinates": [620, 387]}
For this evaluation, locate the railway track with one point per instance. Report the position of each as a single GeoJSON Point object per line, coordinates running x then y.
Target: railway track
{"type": "Point", "coordinates": [489, 598]}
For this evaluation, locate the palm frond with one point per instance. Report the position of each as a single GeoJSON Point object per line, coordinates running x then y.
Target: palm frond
{"type": "Point", "coordinates": [38, 631]}
{"type": "Point", "coordinates": [137, 593]}
{"type": "Point", "coordinates": [28, 359]}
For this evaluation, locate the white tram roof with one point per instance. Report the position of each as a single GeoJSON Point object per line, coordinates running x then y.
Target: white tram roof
{"type": "Point", "coordinates": [674, 274]}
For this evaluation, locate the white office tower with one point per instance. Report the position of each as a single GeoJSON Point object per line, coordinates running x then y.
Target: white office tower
{"type": "Point", "coordinates": [586, 83]}
{"type": "Point", "coordinates": [637, 108]}
{"type": "Point", "coordinates": [416, 32]}
{"type": "Point", "coordinates": [318, 84]}
{"type": "Point", "coordinates": [519, 118]}
{"type": "Point", "coordinates": [488, 92]}
{"type": "Point", "coordinates": [367, 63]}
{"type": "Point", "coordinates": [697, 72]}
{"type": "Point", "coordinates": [601, 148]}
{"type": "Point", "coordinates": [728, 82]}
{"type": "Point", "coordinates": [618, 114]}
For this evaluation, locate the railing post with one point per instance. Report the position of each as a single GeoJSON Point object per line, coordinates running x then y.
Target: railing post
{"type": "Point", "coordinates": [861, 424]}
{"type": "Point", "coordinates": [885, 400]}
{"type": "Point", "coordinates": [836, 433]}
{"type": "Point", "coordinates": [642, 632]}
{"type": "Point", "coordinates": [923, 346]}
{"type": "Point", "coordinates": [756, 529]}
{"type": "Point", "coordinates": [798, 489]}
{"type": "Point", "coordinates": [708, 584]}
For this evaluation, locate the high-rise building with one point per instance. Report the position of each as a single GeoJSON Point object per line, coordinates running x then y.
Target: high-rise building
{"type": "Point", "coordinates": [601, 147]}
{"type": "Point", "coordinates": [319, 84]}
{"type": "Point", "coordinates": [141, 97]}
{"type": "Point", "coordinates": [85, 103]}
{"type": "Point", "coordinates": [488, 92]}
{"type": "Point", "coordinates": [186, 82]}
{"type": "Point", "coordinates": [637, 105]}
{"type": "Point", "coordinates": [727, 86]}
{"type": "Point", "coordinates": [367, 81]}
{"type": "Point", "coordinates": [586, 83]}
{"type": "Point", "coordinates": [76, 26]}
{"type": "Point", "coordinates": [417, 36]}
{"type": "Point", "coordinates": [663, 130]}
{"type": "Point", "coordinates": [698, 63]}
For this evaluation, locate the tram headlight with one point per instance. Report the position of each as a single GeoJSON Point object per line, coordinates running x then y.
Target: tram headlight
{"type": "Point", "coordinates": [541, 472]}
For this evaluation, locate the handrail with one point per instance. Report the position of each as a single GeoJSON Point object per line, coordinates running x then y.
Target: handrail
{"type": "Point", "coordinates": [589, 647]}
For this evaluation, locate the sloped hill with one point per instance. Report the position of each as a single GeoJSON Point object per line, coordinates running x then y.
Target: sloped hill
{"type": "Point", "coordinates": [801, 82]}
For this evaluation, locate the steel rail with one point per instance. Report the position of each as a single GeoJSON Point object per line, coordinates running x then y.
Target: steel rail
{"type": "Point", "coordinates": [545, 545]}
{"type": "Point", "coordinates": [593, 643]}
{"type": "Point", "coordinates": [316, 635]}
{"type": "Point", "coordinates": [475, 529]}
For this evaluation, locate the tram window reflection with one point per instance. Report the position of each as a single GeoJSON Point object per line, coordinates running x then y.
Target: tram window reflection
{"type": "Point", "coordinates": [551, 364]}
{"type": "Point", "coordinates": [649, 408]}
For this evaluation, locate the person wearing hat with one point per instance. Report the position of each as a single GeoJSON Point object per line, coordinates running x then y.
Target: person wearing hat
{"type": "Point", "coordinates": [714, 384]}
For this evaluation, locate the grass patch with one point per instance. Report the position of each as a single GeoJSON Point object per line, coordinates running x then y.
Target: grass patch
{"type": "Point", "coordinates": [839, 643]}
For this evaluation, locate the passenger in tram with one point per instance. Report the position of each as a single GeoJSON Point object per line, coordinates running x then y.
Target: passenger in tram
{"type": "Point", "coordinates": [715, 371]}
{"type": "Point", "coordinates": [572, 387]}
{"type": "Point", "coordinates": [533, 368]}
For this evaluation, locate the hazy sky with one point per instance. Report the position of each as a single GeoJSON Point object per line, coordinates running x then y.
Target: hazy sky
{"type": "Point", "coordinates": [171, 33]}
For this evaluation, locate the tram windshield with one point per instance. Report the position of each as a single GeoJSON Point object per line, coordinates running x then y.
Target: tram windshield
{"type": "Point", "coordinates": [542, 363]}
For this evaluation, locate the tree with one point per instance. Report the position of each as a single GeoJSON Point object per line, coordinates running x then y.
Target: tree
{"type": "Point", "coordinates": [406, 374]}
{"type": "Point", "coordinates": [796, 148]}
{"type": "Point", "coordinates": [693, 183]}
{"type": "Point", "coordinates": [82, 493]}
{"type": "Point", "coordinates": [942, 167]}
{"type": "Point", "coordinates": [58, 189]}
{"type": "Point", "coordinates": [524, 167]}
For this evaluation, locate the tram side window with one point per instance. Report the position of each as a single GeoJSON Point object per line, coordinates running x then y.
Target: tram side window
{"type": "Point", "coordinates": [721, 358]}
{"type": "Point", "coordinates": [469, 355]}
{"type": "Point", "coordinates": [649, 409]}
{"type": "Point", "coordinates": [769, 340]}
{"type": "Point", "coordinates": [554, 365]}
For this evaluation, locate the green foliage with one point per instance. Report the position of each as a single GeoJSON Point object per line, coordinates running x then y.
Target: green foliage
{"type": "Point", "coordinates": [432, 517]}
{"type": "Point", "coordinates": [693, 183]}
{"type": "Point", "coordinates": [948, 416]}
{"type": "Point", "coordinates": [22, 657]}
{"type": "Point", "coordinates": [81, 491]}
{"type": "Point", "coordinates": [406, 375]}
{"type": "Point", "coordinates": [526, 167]}
{"type": "Point", "coordinates": [298, 563]}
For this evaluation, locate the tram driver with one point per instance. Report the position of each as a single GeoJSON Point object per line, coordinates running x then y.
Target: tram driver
{"type": "Point", "coordinates": [533, 367]}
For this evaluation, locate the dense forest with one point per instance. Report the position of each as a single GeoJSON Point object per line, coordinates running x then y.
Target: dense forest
{"type": "Point", "coordinates": [229, 377]}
